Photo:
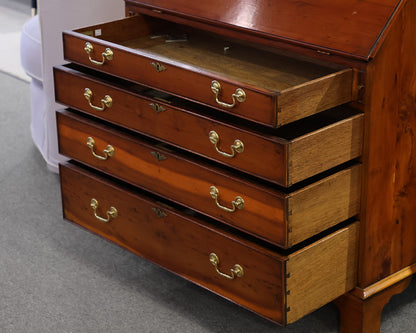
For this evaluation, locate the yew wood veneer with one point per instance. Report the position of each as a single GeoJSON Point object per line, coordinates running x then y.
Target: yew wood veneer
{"type": "Point", "coordinates": [277, 134]}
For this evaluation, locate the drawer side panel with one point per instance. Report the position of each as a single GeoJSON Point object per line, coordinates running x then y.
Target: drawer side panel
{"type": "Point", "coordinates": [321, 272]}
{"type": "Point", "coordinates": [326, 148]}
{"type": "Point", "coordinates": [324, 204]}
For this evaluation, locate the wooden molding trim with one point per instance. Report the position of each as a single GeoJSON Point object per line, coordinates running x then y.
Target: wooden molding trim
{"type": "Point", "coordinates": [385, 283]}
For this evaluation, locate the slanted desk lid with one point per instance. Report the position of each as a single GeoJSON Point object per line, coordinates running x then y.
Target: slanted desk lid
{"type": "Point", "coordinates": [348, 27]}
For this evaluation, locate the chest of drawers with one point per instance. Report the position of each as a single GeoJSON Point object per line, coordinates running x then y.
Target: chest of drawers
{"type": "Point", "coordinates": [246, 162]}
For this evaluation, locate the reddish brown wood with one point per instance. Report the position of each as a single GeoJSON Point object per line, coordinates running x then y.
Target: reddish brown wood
{"type": "Point", "coordinates": [351, 28]}
{"type": "Point", "coordinates": [189, 70]}
{"type": "Point", "coordinates": [130, 64]}
{"type": "Point", "coordinates": [177, 242]}
{"type": "Point", "coordinates": [178, 178]}
{"type": "Point", "coordinates": [188, 129]}
{"type": "Point", "coordinates": [364, 315]}
{"type": "Point", "coordinates": [388, 236]}
{"type": "Point", "coordinates": [188, 181]}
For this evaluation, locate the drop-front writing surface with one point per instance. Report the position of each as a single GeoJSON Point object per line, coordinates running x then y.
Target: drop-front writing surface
{"type": "Point", "coordinates": [352, 28]}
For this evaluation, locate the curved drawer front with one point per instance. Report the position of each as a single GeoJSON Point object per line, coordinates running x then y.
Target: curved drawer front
{"type": "Point", "coordinates": [232, 267]}
{"type": "Point", "coordinates": [253, 84]}
{"type": "Point", "coordinates": [282, 161]}
{"type": "Point", "coordinates": [249, 206]}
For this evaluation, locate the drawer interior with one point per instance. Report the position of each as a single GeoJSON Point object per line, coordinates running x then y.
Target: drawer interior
{"type": "Point", "coordinates": [209, 52]}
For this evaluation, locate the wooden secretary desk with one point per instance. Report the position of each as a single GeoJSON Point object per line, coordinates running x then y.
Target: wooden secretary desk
{"type": "Point", "coordinates": [262, 149]}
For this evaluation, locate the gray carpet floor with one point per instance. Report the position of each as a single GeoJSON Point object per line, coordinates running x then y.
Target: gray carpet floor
{"type": "Point", "coordinates": [56, 277]}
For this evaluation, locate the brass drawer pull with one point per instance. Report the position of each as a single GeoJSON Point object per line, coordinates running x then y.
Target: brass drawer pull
{"type": "Point", "coordinates": [112, 213]}
{"type": "Point", "coordinates": [236, 271]}
{"type": "Point", "coordinates": [107, 54]}
{"type": "Point", "coordinates": [159, 67]}
{"type": "Point", "coordinates": [239, 95]}
{"type": "Point", "coordinates": [106, 102]}
{"type": "Point", "coordinates": [236, 147]}
{"type": "Point", "coordinates": [238, 202]}
{"type": "Point", "coordinates": [108, 152]}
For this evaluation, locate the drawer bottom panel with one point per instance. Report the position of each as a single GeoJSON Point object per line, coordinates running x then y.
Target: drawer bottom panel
{"type": "Point", "coordinates": [241, 270]}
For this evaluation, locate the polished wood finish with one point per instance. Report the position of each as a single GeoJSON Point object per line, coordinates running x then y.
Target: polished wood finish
{"type": "Point", "coordinates": [289, 155]}
{"type": "Point", "coordinates": [389, 206]}
{"type": "Point", "coordinates": [251, 45]}
{"type": "Point", "coordinates": [188, 181]}
{"type": "Point", "coordinates": [385, 283]}
{"type": "Point", "coordinates": [178, 242]}
{"type": "Point", "coordinates": [358, 315]}
{"type": "Point", "coordinates": [350, 28]}
{"type": "Point", "coordinates": [288, 89]}
{"type": "Point", "coordinates": [182, 244]}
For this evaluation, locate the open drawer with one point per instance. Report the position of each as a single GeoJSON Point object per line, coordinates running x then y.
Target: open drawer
{"type": "Point", "coordinates": [284, 218]}
{"type": "Point", "coordinates": [283, 156]}
{"type": "Point", "coordinates": [243, 80]}
{"type": "Point", "coordinates": [280, 287]}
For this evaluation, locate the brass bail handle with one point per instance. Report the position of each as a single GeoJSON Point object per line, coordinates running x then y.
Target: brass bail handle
{"type": "Point", "coordinates": [106, 102]}
{"type": "Point", "coordinates": [239, 95]}
{"type": "Point", "coordinates": [236, 271]}
{"type": "Point", "coordinates": [236, 147]}
{"type": "Point", "coordinates": [108, 54]}
{"type": "Point", "coordinates": [111, 214]}
{"type": "Point", "coordinates": [108, 152]}
{"type": "Point", "coordinates": [238, 202]}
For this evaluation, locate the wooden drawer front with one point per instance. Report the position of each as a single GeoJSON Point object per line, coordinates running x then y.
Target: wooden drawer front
{"type": "Point", "coordinates": [266, 88]}
{"type": "Point", "coordinates": [283, 161]}
{"type": "Point", "coordinates": [183, 244]}
{"type": "Point", "coordinates": [265, 210]}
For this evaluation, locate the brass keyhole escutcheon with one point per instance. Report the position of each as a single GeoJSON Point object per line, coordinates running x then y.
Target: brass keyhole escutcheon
{"type": "Point", "coordinates": [159, 67]}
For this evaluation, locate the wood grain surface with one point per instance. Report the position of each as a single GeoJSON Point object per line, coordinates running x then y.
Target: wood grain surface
{"type": "Point", "coordinates": [191, 66]}
{"type": "Point", "coordinates": [182, 244]}
{"type": "Point", "coordinates": [188, 182]}
{"type": "Point", "coordinates": [177, 242]}
{"type": "Point", "coordinates": [323, 204]}
{"type": "Point", "coordinates": [190, 130]}
{"type": "Point", "coordinates": [389, 206]}
{"type": "Point", "coordinates": [322, 272]}
{"type": "Point", "coordinates": [351, 28]}
{"type": "Point", "coordinates": [330, 146]}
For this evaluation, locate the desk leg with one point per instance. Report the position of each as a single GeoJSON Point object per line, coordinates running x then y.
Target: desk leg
{"type": "Point", "coordinates": [364, 315]}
